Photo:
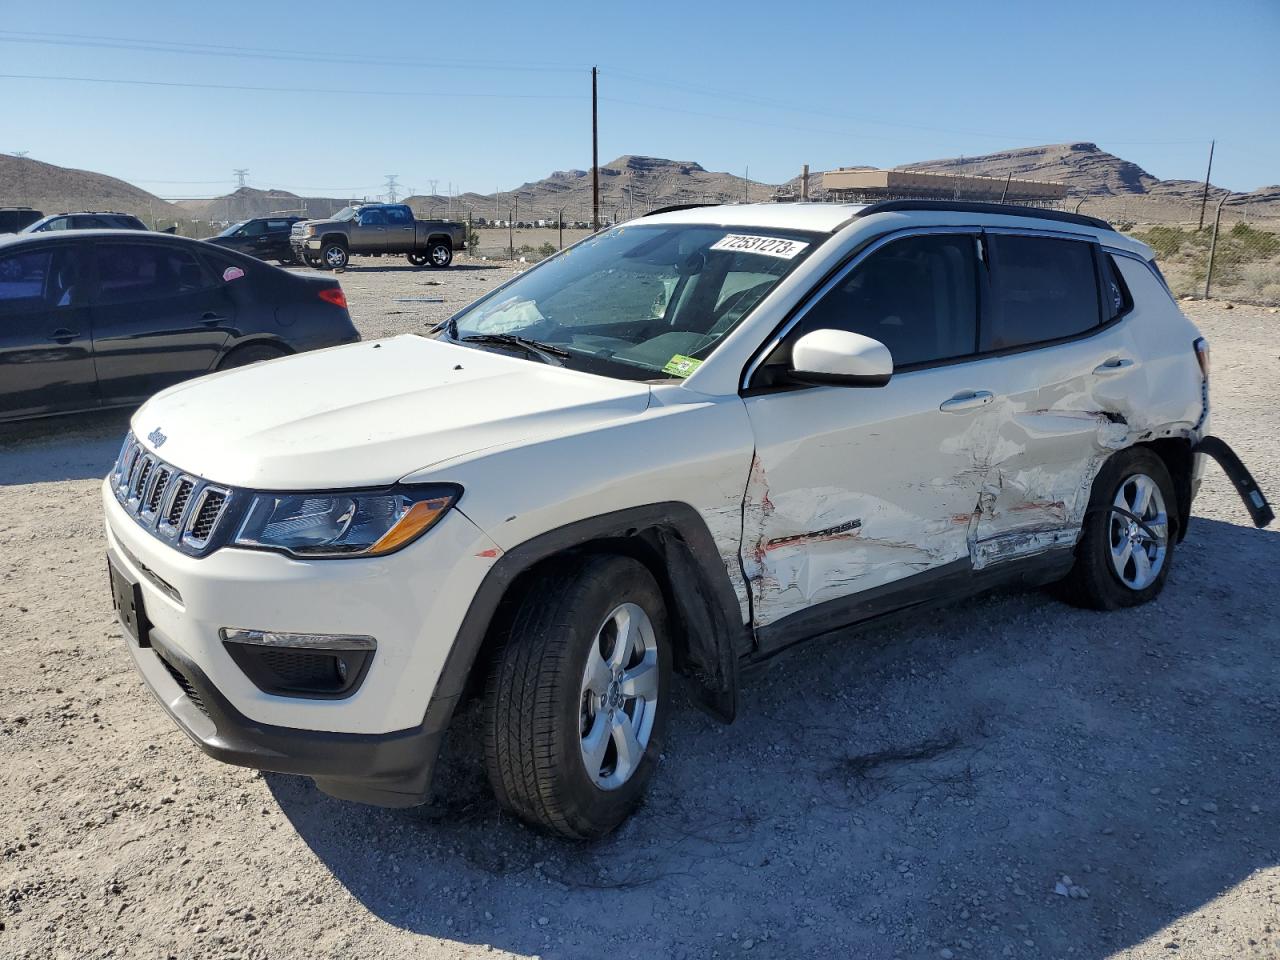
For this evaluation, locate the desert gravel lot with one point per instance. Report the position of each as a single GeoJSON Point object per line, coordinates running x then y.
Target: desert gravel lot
{"type": "Point", "coordinates": [915, 791]}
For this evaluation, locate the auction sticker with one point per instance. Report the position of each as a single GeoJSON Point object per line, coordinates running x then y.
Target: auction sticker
{"type": "Point", "coordinates": [769, 246]}
{"type": "Point", "coordinates": [681, 366]}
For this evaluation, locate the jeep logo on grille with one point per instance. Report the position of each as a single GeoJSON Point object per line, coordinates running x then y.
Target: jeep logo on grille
{"type": "Point", "coordinates": [157, 438]}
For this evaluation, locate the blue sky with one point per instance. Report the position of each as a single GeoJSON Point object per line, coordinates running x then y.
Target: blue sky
{"type": "Point", "coordinates": [486, 96]}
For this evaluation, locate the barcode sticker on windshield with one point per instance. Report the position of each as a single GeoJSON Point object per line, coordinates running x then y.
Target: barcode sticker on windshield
{"type": "Point", "coordinates": [769, 246]}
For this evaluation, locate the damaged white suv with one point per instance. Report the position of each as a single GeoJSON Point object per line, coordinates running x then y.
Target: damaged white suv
{"type": "Point", "coordinates": [675, 449]}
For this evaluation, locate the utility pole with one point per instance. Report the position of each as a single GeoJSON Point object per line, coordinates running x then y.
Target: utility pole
{"type": "Point", "coordinates": [595, 154]}
{"type": "Point", "coordinates": [1205, 196]}
{"type": "Point", "coordinates": [746, 178]}
{"type": "Point", "coordinates": [392, 187]}
{"type": "Point", "coordinates": [804, 182]}
{"type": "Point", "coordinates": [241, 173]}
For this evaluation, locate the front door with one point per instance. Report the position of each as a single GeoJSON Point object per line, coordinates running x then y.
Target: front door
{"type": "Point", "coordinates": [853, 490]}
{"type": "Point", "coordinates": [46, 353]}
{"type": "Point", "coordinates": [159, 317]}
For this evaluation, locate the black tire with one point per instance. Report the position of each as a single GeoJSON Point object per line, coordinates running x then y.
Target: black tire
{"type": "Point", "coordinates": [1094, 581]}
{"type": "Point", "coordinates": [439, 253]}
{"type": "Point", "coordinates": [417, 259]}
{"type": "Point", "coordinates": [536, 706]}
{"type": "Point", "coordinates": [334, 256]}
{"type": "Point", "coordinates": [251, 353]}
{"type": "Point", "coordinates": [313, 261]}
{"type": "Point", "coordinates": [288, 261]}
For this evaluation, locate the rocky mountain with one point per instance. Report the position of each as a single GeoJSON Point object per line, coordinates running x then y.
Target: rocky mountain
{"type": "Point", "coordinates": [32, 183]}
{"type": "Point", "coordinates": [629, 185]}
{"type": "Point", "coordinates": [248, 202]}
{"type": "Point", "coordinates": [1083, 167]}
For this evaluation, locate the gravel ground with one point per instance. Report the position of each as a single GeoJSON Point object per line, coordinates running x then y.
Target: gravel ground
{"type": "Point", "coordinates": [1015, 778]}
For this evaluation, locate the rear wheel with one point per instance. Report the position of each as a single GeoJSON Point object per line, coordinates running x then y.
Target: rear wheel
{"type": "Point", "coordinates": [251, 353]}
{"type": "Point", "coordinates": [440, 254]}
{"type": "Point", "coordinates": [1130, 531]}
{"type": "Point", "coordinates": [577, 700]}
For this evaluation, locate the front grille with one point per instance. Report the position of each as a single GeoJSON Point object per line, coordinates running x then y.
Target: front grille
{"type": "Point", "coordinates": [211, 505]}
{"type": "Point", "coordinates": [190, 691]}
{"type": "Point", "coordinates": [178, 508]}
{"type": "Point", "coordinates": [179, 503]}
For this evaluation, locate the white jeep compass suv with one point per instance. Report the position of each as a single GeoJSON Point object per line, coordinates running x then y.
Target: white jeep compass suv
{"type": "Point", "coordinates": [675, 449]}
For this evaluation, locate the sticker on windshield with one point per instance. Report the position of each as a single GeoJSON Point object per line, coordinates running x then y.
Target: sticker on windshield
{"type": "Point", "coordinates": [681, 366]}
{"type": "Point", "coordinates": [769, 246]}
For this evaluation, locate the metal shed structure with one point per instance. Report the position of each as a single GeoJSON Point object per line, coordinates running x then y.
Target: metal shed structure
{"type": "Point", "coordinates": [863, 185]}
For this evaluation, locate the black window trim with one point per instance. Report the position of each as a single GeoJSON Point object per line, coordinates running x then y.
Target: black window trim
{"type": "Point", "coordinates": [748, 385]}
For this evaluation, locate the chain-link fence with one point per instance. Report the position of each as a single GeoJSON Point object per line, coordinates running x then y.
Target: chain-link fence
{"type": "Point", "coordinates": [1233, 254]}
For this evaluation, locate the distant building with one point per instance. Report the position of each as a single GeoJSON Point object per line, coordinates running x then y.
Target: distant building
{"type": "Point", "coordinates": [865, 186]}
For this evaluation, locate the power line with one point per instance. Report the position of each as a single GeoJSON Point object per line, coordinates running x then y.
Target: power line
{"type": "Point", "coordinates": [141, 44]}
{"type": "Point", "coordinates": [257, 89]}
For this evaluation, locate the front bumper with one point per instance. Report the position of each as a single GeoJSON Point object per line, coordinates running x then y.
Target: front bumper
{"type": "Point", "coordinates": [386, 769]}
{"type": "Point", "coordinates": [376, 745]}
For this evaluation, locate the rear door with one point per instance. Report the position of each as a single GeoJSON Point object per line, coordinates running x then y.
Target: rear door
{"type": "Point", "coordinates": [401, 230]}
{"type": "Point", "coordinates": [1067, 376]}
{"type": "Point", "coordinates": [46, 354]}
{"type": "Point", "coordinates": [276, 240]}
{"type": "Point", "coordinates": [159, 316]}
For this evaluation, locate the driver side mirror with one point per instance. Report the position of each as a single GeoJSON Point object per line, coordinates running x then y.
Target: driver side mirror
{"type": "Point", "coordinates": [840, 358]}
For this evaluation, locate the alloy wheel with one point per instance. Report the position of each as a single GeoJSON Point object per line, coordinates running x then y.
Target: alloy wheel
{"type": "Point", "coordinates": [1138, 532]}
{"type": "Point", "coordinates": [619, 698]}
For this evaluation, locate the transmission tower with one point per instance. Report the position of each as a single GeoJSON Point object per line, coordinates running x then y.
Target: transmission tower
{"type": "Point", "coordinates": [241, 173]}
{"type": "Point", "coordinates": [392, 188]}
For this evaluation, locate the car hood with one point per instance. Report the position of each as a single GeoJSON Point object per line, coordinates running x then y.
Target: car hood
{"type": "Point", "coordinates": [316, 223]}
{"type": "Point", "coordinates": [369, 413]}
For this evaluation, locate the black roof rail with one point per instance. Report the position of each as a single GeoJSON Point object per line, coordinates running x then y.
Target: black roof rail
{"type": "Point", "coordinates": [974, 206]}
{"type": "Point", "coordinates": [681, 206]}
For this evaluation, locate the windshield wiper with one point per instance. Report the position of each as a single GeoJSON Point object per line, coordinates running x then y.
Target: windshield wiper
{"type": "Point", "coordinates": [535, 348]}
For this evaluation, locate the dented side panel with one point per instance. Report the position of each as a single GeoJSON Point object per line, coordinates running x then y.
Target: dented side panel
{"type": "Point", "coordinates": [854, 488]}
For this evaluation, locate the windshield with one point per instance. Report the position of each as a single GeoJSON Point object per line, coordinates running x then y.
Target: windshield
{"type": "Point", "coordinates": [346, 213]}
{"type": "Point", "coordinates": [640, 302]}
{"type": "Point", "coordinates": [230, 231]}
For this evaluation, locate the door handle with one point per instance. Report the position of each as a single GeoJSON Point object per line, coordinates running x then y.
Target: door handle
{"type": "Point", "coordinates": [211, 318]}
{"type": "Point", "coordinates": [63, 335]}
{"type": "Point", "coordinates": [970, 400]}
{"type": "Point", "coordinates": [1112, 365]}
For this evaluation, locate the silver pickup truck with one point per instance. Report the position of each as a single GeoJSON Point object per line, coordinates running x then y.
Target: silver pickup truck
{"type": "Point", "coordinates": [376, 228]}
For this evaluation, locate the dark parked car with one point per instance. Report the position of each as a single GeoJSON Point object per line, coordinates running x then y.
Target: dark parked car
{"type": "Point", "coordinates": [13, 219]}
{"type": "Point", "coordinates": [105, 220]}
{"type": "Point", "coordinates": [266, 238]}
{"type": "Point", "coordinates": [96, 319]}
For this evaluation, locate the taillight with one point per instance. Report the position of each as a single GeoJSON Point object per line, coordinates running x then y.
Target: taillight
{"type": "Point", "coordinates": [335, 296]}
{"type": "Point", "coordinates": [1202, 356]}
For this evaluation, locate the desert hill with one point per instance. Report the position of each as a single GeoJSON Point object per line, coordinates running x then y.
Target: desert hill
{"type": "Point", "coordinates": [32, 183]}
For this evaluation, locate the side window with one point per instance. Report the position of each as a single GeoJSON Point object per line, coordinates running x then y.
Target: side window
{"type": "Point", "coordinates": [57, 223]}
{"type": "Point", "coordinates": [39, 280]}
{"type": "Point", "coordinates": [918, 296]}
{"type": "Point", "coordinates": [398, 215]}
{"type": "Point", "coordinates": [277, 226]}
{"type": "Point", "coordinates": [138, 271]}
{"type": "Point", "coordinates": [255, 228]}
{"type": "Point", "coordinates": [1042, 289]}
{"type": "Point", "coordinates": [1116, 299]}
{"type": "Point", "coordinates": [373, 218]}
{"type": "Point", "coordinates": [92, 223]}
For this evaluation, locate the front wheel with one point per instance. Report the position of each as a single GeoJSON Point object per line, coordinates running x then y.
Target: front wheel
{"type": "Point", "coordinates": [576, 701]}
{"type": "Point", "coordinates": [1130, 531]}
{"type": "Point", "coordinates": [333, 256]}
{"type": "Point", "coordinates": [417, 259]}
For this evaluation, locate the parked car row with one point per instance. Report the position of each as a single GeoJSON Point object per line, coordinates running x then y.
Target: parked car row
{"type": "Point", "coordinates": [104, 318]}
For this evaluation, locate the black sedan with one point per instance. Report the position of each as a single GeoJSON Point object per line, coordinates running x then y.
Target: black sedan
{"type": "Point", "coordinates": [266, 238]}
{"type": "Point", "coordinates": [105, 318]}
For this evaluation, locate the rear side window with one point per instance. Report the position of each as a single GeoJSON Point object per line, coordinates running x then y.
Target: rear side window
{"type": "Point", "coordinates": [277, 226]}
{"type": "Point", "coordinates": [1116, 299]}
{"type": "Point", "coordinates": [918, 296]}
{"type": "Point", "coordinates": [1042, 289]}
{"type": "Point", "coordinates": [146, 271]}
{"type": "Point", "coordinates": [398, 215]}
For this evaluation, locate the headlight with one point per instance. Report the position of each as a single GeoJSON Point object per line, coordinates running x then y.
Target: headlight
{"type": "Point", "coordinates": [318, 525]}
{"type": "Point", "coordinates": [308, 231]}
